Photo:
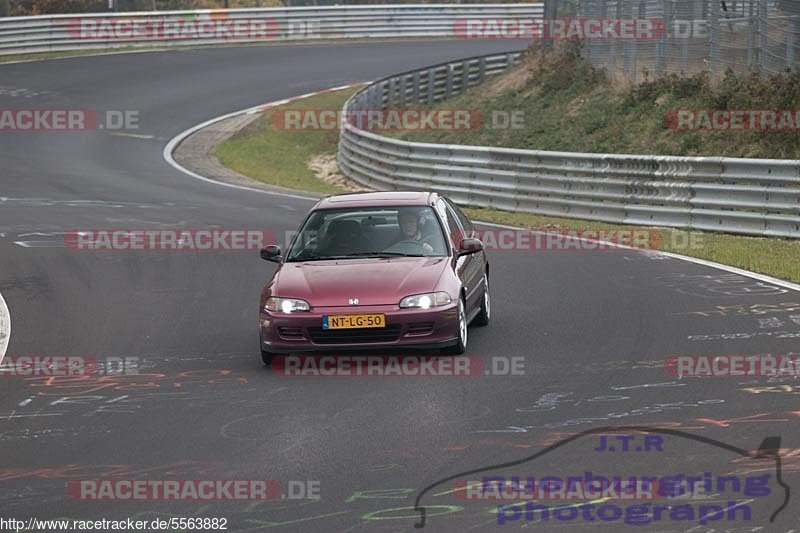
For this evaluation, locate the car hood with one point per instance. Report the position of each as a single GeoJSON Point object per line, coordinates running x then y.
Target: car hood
{"type": "Point", "coordinates": [372, 281]}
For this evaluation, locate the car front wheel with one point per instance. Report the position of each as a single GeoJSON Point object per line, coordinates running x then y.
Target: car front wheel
{"type": "Point", "coordinates": [461, 344]}
{"type": "Point", "coordinates": [266, 357]}
{"type": "Point", "coordinates": [482, 319]}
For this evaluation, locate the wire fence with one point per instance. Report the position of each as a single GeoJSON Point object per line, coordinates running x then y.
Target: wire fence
{"type": "Point", "coordinates": [24, 8]}
{"type": "Point", "coordinates": [685, 37]}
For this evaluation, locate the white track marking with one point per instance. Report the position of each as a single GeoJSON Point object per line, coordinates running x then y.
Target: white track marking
{"type": "Point", "coordinates": [135, 135]}
{"type": "Point", "coordinates": [170, 147]}
{"type": "Point", "coordinates": [703, 262]}
{"type": "Point", "coordinates": [5, 327]}
{"type": "Point", "coordinates": [175, 141]}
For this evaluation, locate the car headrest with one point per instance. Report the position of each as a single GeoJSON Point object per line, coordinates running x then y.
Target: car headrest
{"type": "Point", "coordinates": [344, 229]}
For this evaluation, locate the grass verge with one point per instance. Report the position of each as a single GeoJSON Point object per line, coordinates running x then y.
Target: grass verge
{"type": "Point", "coordinates": [771, 256]}
{"type": "Point", "coordinates": [281, 158]}
{"type": "Point", "coordinates": [569, 106]}
{"type": "Point", "coordinates": [40, 56]}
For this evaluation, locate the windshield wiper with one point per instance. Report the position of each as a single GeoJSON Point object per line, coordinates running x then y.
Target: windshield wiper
{"type": "Point", "coordinates": [301, 258]}
{"type": "Point", "coordinates": [385, 254]}
{"type": "Point", "coordinates": [357, 255]}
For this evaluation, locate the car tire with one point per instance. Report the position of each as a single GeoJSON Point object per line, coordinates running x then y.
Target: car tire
{"type": "Point", "coordinates": [482, 319]}
{"type": "Point", "coordinates": [461, 344]}
{"type": "Point", "coordinates": [266, 357]}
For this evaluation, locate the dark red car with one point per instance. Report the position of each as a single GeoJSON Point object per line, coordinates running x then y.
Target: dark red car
{"type": "Point", "coordinates": [376, 270]}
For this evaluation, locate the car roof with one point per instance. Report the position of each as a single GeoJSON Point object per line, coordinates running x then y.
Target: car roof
{"type": "Point", "coordinates": [377, 199]}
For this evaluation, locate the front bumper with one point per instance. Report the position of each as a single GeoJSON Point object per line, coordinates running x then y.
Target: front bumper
{"type": "Point", "coordinates": [405, 328]}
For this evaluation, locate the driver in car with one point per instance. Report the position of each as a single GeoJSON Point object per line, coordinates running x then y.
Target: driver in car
{"type": "Point", "coordinates": [411, 227]}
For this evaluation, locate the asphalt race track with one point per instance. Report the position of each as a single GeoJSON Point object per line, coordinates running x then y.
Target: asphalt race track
{"type": "Point", "coordinates": [592, 329]}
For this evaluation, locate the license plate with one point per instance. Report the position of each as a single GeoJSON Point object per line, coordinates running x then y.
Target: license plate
{"type": "Point", "coordinates": [353, 321]}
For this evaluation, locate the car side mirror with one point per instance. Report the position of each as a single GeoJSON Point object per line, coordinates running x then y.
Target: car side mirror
{"type": "Point", "coordinates": [271, 253]}
{"type": "Point", "coordinates": [469, 246]}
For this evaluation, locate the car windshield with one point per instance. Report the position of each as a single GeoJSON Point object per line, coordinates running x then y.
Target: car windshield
{"type": "Point", "coordinates": [369, 232]}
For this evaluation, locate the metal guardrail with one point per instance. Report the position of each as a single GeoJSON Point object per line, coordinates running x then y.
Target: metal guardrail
{"type": "Point", "coordinates": [745, 196]}
{"type": "Point", "coordinates": [19, 35]}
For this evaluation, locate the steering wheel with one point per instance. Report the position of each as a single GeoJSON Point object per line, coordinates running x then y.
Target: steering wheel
{"type": "Point", "coordinates": [408, 241]}
{"type": "Point", "coordinates": [398, 246]}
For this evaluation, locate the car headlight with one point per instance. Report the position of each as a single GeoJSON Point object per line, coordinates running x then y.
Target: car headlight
{"type": "Point", "coordinates": [426, 301]}
{"type": "Point", "coordinates": [286, 305]}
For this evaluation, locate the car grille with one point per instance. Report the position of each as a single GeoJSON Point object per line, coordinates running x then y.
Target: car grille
{"type": "Point", "coordinates": [290, 333]}
{"type": "Point", "coordinates": [354, 336]}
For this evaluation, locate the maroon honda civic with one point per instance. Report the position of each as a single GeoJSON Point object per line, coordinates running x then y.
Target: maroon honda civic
{"type": "Point", "coordinates": [373, 271]}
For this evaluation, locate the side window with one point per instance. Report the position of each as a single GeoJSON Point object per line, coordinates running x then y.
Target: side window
{"type": "Point", "coordinates": [454, 228]}
{"type": "Point", "coordinates": [462, 219]}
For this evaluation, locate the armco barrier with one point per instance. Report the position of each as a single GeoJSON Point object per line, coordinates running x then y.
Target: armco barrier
{"type": "Point", "coordinates": [746, 196]}
{"type": "Point", "coordinates": [20, 35]}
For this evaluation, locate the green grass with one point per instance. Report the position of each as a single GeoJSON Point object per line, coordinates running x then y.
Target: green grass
{"type": "Point", "coordinates": [55, 55]}
{"type": "Point", "coordinates": [771, 256]}
{"type": "Point", "coordinates": [281, 158]}
{"type": "Point", "coordinates": [570, 106]}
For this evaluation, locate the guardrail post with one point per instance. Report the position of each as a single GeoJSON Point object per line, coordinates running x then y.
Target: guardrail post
{"type": "Point", "coordinates": [379, 96]}
{"type": "Point", "coordinates": [402, 94]}
{"type": "Point", "coordinates": [464, 76]}
{"type": "Point", "coordinates": [392, 89]}
{"type": "Point", "coordinates": [431, 86]}
{"type": "Point", "coordinates": [448, 91]}
{"type": "Point", "coordinates": [482, 70]}
{"type": "Point", "coordinates": [415, 87]}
